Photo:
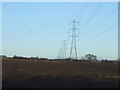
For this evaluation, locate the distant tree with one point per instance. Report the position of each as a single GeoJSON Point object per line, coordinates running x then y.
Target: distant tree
{"type": "Point", "coordinates": [94, 57]}
{"type": "Point", "coordinates": [67, 59]}
{"type": "Point", "coordinates": [36, 57]}
{"type": "Point", "coordinates": [91, 57]}
{"type": "Point", "coordinates": [32, 58]}
{"type": "Point", "coordinates": [15, 56]}
{"type": "Point", "coordinates": [3, 56]}
{"type": "Point", "coordinates": [106, 60]}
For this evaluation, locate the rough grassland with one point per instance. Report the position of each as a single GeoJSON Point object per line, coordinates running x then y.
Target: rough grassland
{"type": "Point", "coordinates": [21, 73]}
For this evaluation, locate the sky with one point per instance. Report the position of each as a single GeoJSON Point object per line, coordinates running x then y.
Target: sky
{"type": "Point", "coordinates": [1, 28]}
{"type": "Point", "coordinates": [39, 28]}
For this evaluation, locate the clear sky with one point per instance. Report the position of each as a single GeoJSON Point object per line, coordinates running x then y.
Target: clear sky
{"type": "Point", "coordinates": [39, 28]}
{"type": "Point", "coordinates": [1, 28]}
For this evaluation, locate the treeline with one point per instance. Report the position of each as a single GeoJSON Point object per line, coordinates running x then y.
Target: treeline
{"type": "Point", "coordinates": [67, 59]}
{"type": "Point", "coordinates": [21, 57]}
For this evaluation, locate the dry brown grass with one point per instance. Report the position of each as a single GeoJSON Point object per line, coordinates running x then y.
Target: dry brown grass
{"type": "Point", "coordinates": [23, 70]}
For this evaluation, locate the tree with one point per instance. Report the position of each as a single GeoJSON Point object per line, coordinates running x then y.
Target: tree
{"type": "Point", "coordinates": [15, 56]}
{"type": "Point", "coordinates": [91, 57]}
{"type": "Point", "coordinates": [3, 56]}
{"type": "Point", "coordinates": [94, 57]}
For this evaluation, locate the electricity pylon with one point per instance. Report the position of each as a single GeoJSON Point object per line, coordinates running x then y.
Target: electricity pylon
{"type": "Point", "coordinates": [73, 50]}
{"type": "Point", "coordinates": [62, 51]}
{"type": "Point", "coordinates": [59, 54]}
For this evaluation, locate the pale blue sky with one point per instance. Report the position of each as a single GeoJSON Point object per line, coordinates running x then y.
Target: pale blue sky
{"type": "Point", "coordinates": [38, 29]}
{"type": "Point", "coordinates": [0, 44]}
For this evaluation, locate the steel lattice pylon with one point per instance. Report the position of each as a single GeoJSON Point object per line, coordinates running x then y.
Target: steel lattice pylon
{"type": "Point", "coordinates": [73, 50]}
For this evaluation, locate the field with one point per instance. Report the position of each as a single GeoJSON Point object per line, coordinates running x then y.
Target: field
{"type": "Point", "coordinates": [23, 73]}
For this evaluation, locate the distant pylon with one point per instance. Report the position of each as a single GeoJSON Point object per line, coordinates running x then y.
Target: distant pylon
{"type": "Point", "coordinates": [59, 54]}
{"type": "Point", "coordinates": [62, 51]}
{"type": "Point", "coordinates": [73, 50]}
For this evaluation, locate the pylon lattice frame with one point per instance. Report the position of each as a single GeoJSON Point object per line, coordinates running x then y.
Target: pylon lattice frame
{"type": "Point", "coordinates": [73, 50]}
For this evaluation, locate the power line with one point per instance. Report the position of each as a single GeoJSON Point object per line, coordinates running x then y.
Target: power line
{"type": "Point", "coordinates": [92, 15]}
{"type": "Point", "coordinates": [82, 11]}
{"type": "Point", "coordinates": [104, 20]}
{"type": "Point", "coordinates": [110, 28]}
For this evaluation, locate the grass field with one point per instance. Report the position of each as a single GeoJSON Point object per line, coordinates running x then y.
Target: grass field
{"type": "Point", "coordinates": [23, 73]}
